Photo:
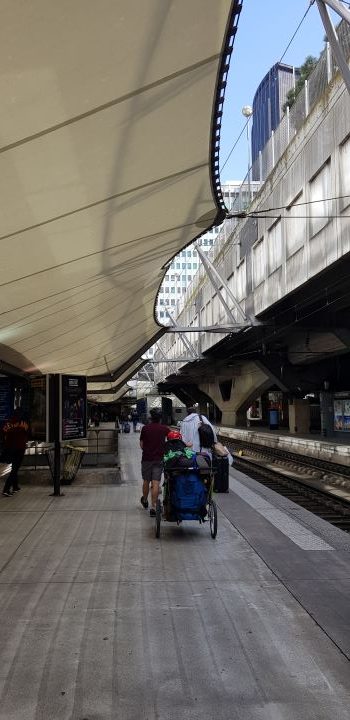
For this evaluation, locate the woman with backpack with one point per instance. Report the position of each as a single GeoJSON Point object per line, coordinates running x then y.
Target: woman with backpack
{"type": "Point", "coordinates": [197, 431]}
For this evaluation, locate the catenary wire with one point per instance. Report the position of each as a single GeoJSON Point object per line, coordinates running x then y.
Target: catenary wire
{"type": "Point", "coordinates": [296, 31]}
{"type": "Point", "coordinates": [287, 207]}
{"type": "Point", "coordinates": [280, 60]}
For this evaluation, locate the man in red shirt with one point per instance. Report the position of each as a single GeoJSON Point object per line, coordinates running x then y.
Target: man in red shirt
{"type": "Point", "coordinates": [152, 442]}
{"type": "Point", "coordinates": [15, 440]}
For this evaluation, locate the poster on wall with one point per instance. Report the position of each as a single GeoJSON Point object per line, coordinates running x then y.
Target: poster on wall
{"type": "Point", "coordinates": [338, 415]}
{"type": "Point", "coordinates": [38, 408]}
{"type": "Point", "coordinates": [254, 412]}
{"type": "Point", "coordinates": [346, 415]}
{"type": "Point", "coordinates": [73, 406]}
{"type": "Point", "coordinates": [6, 399]}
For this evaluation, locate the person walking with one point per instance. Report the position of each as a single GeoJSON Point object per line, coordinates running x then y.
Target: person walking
{"type": "Point", "coordinates": [16, 432]}
{"type": "Point", "coordinates": [135, 420]}
{"type": "Point", "coordinates": [192, 433]}
{"type": "Point", "coordinates": [152, 443]}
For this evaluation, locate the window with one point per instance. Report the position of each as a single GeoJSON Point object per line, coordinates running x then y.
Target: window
{"type": "Point", "coordinates": [178, 266]}
{"type": "Point", "coordinates": [320, 208]}
{"type": "Point", "coordinates": [295, 226]}
{"type": "Point", "coordinates": [172, 302]}
{"type": "Point", "coordinates": [172, 278]}
{"type": "Point", "coordinates": [161, 314]}
{"type": "Point", "coordinates": [259, 262]}
{"type": "Point", "coordinates": [274, 247]}
{"type": "Point", "coordinates": [189, 266]}
{"type": "Point", "coordinates": [345, 173]}
{"type": "Point", "coordinates": [189, 253]}
{"type": "Point", "coordinates": [172, 290]}
{"type": "Point", "coordinates": [195, 266]}
{"type": "Point", "coordinates": [178, 290]}
{"type": "Point", "coordinates": [184, 266]}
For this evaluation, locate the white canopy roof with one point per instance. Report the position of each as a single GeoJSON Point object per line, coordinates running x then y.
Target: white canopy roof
{"type": "Point", "coordinates": [105, 170]}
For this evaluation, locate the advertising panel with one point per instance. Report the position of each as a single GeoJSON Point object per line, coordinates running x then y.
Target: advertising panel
{"type": "Point", "coordinates": [338, 415]}
{"type": "Point", "coordinates": [6, 399]}
{"type": "Point", "coordinates": [346, 415]}
{"type": "Point", "coordinates": [254, 412]}
{"type": "Point", "coordinates": [73, 406]}
{"type": "Point", "coordinates": [38, 408]}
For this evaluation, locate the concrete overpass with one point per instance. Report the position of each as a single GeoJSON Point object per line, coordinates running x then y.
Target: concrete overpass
{"type": "Point", "coordinates": [287, 264]}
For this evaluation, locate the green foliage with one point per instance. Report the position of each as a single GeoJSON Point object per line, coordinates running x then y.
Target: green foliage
{"type": "Point", "coordinates": [305, 70]}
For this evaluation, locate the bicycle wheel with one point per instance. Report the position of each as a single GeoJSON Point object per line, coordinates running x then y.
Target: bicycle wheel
{"type": "Point", "coordinates": [213, 518]}
{"type": "Point", "coordinates": [158, 518]}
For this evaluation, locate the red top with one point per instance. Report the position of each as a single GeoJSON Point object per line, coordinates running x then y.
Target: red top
{"type": "Point", "coordinates": [16, 434]}
{"type": "Point", "coordinates": [153, 437]}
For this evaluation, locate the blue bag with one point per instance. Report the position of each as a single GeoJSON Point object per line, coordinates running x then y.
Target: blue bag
{"type": "Point", "coordinates": [189, 496]}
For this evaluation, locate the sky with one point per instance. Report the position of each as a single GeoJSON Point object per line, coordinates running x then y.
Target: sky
{"type": "Point", "coordinates": [264, 30]}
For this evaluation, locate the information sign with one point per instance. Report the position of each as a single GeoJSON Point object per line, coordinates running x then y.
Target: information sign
{"type": "Point", "coordinates": [38, 410]}
{"type": "Point", "coordinates": [73, 407]}
{"type": "Point", "coordinates": [6, 399]}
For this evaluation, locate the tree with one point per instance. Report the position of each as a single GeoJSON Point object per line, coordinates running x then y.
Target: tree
{"type": "Point", "coordinates": [305, 71]}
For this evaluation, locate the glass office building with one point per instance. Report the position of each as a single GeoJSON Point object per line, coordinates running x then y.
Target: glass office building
{"type": "Point", "coordinates": [267, 106]}
{"type": "Point", "coordinates": [185, 265]}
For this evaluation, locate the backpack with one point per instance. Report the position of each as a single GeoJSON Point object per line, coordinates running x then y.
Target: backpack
{"type": "Point", "coordinates": [206, 434]}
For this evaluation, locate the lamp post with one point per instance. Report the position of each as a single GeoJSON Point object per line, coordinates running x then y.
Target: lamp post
{"type": "Point", "coordinates": [247, 111]}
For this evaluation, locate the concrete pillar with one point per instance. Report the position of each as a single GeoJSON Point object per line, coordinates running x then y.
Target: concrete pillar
{"type": "Point", "coordinates": [246, 387]}
{"type": "Point", "coordinates": [299, 416]}
{"type": "Point", "coordinates": [327, 414]}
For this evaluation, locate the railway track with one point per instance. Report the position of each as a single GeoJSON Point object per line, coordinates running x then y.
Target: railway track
{"type": "Point", "coordinates": [319, 486]}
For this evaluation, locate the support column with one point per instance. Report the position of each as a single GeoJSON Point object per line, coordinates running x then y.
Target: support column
{"type": "Point", "coordinates": [327, 414]}
{"type": "Point", "coordinates": [246, 387]}
{"type": "Point", "coordinates": [299, 416]}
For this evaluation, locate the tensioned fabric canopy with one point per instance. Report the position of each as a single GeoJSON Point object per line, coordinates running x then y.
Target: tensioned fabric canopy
{"type": "Point", "coordinates": [106, 130]}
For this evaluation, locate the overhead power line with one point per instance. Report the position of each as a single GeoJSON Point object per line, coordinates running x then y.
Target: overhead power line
{"type": "Point", "coordinates": [294, 34]}
{"type": "Point", "coordinates": [280, 60]}
{"type": "Point", "coordinates": [241, 215]}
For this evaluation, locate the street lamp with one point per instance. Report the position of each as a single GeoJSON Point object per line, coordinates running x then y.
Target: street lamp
{"type": "Point", "coordinates": [247, 111]}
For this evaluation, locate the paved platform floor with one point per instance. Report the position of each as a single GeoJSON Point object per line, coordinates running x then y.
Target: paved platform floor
{"type": "Point", "coordinates": [100, 621]}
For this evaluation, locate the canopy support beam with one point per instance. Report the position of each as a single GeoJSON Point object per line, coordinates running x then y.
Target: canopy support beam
{"type": "Point", "coordinates": [218, 282]}
{"type": "Point", "coordinates": [344, 13]}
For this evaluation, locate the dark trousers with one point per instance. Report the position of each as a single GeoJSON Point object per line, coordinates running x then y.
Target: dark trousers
{"type": "Point", "coordinates": [14, 457]}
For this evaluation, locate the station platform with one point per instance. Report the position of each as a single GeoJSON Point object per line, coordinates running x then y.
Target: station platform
{"type": "Point", "coordinates": [336, 450]}
{"type": "Point", "coordinates": [100, 620]}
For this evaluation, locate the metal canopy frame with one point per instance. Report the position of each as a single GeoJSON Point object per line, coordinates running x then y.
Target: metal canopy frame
{"type": "Point", "coordinates": [223, 329]}
{"type": "Point", "coordinates": [233, 325]}
{"type": "Point", "coordinates": [218, 282]}
{"type": "Point", "coordinates": [174, 328]}
{"type": "Point", "coordinates": [344, 13]}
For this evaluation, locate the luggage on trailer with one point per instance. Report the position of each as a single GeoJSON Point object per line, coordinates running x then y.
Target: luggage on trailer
{"type": "Point", "coordinates": [221, 473]}
{"type": "Point", "coordinates": [188, 496]}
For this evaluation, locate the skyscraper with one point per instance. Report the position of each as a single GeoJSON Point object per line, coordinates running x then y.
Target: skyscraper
{"type": "Point", "coordinates": [268, 107]}
{"type": "Point", "coordinates": [185, 265]}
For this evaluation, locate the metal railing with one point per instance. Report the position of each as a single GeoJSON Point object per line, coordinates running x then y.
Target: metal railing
{"type": "Point", "coordinates": [100, 449]}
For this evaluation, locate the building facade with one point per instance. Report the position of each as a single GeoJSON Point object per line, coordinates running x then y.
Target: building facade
{"type": "Point", "coordinates": [184, 266]}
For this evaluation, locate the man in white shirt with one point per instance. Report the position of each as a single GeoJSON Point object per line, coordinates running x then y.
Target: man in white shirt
{"type": "Point", "coordinates": [189, 429]}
